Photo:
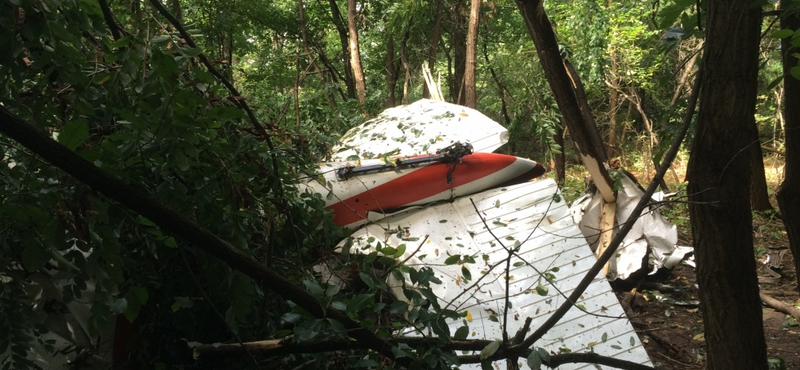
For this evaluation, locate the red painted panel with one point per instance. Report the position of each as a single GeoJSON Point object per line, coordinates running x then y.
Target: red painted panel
{"type": "Point", "coordinates": [416, 185]}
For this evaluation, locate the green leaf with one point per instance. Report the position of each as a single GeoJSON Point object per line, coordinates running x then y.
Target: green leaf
{"type": "Point", "coordinates": [795, 71]}
{"type": "Point", "coordinates": [490, 349]}
{"type": "Point", "coordinates": [74, 134]}
{"type": "Point", "coordinates": [452, 260]}
{"type": "Point", "coordinates": [461, 333]}
{"type": "Point", "coordinates": [774, 83]}
{"type": "Point", "coordinates": [313, 287]}
{"type": "Point", "coordinates": [534, 360]}
{"type": "Point", "coordinates": [400, 250]}
{"type": "Point", "coordinates": [541, 290]}
{"type": "Point", "coordinates": [614, 346]}
{"type": "Point", "coordinates": [544, 355]}
{"type": "Point", "coordinates": [604, 338]}
{"type": "Point", "coordinates": [466, 273]}
{"type": "Point", "coordinates": [518, 264]}
{"type": "Point", "coordinates": [118, 306]}
{"type": "Point", "coordinates": [782, 34]}
{"type": "Point", "coordinates": [358, 302]}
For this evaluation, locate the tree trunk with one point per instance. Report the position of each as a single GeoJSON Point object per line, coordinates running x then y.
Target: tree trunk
{"type": "Point", "coordinates": [304, 35]}
{"type": "Point", "coordinates": [176, 10]}
{"type": "Point", "coordinates": [391, 79]}
{"type": "Point", "coordinates": [355, 56]}
{"type": "Point", "coordinates": [789, 192]}
{"type": "Point", "coordinates": [559, 159]}
{"type": "Point", "coordinates": [613, 101]}
{"type": "Point", "coordinates": [500, 87]}
{"type": "Point", "coordinates": [586, 111]}
{"type": "Point", "coordinates": [718, 177]}
{"type": "Point", "coordinates": [342, 30]}
{"type": "Point", "coordinates": [541, 31]}
{"type": "Point", "coordinates": [404, 60]}
{"type": "Point", "coordinates": [437, 34]}
{"type": "Point", "coordinates": [759, 195]}
{"type": "Point", "coordinates": [470, 97]}
{"type": "Point", "coordinates": [458, 34]}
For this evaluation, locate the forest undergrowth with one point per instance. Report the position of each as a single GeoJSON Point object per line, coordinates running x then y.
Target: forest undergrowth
{"type": "Point", "coordinates": [664, 309]}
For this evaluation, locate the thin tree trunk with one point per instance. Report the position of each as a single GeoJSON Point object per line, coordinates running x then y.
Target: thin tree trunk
{"type": "Point", "coordinates": [613, 101]}
{"type": "Point", "coordinates": [459, 44]}
{"type": "Point", "coordinates": [470, 97]}
{"type": "Point", "coordinates": [391, 80]}
{"type": "Point", "coordinates": [176, 10]}
{"type": "Point", "coordinates": [559, 159]}
{"type": "Point", "coordinates": [342, 30]}
{"type": "Point", "coordinates": [304, 35]}
{"type": "Point", "coordinates": [404, 60]}
{"type": "Point", "coordinates": [500, 87]}
{"type": "Point", "coordinates": [541, 31]}
{"type": "Point", "coordinates": [719, 175]}
{"type": "Point", "coordinates": [759, 194]}
{"type": "Point", "coordinates": [789, 191]}
{"type": "Point", "coordinates": [687, 70]}
{"type": "Point", "coordinates": [437, 34]}
{"type": "Point", "coordinates": [355, 56]}
{"type": "Point", "coordinates": [586, 111]}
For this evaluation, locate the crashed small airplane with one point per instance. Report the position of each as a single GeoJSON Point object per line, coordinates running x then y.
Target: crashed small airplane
{"type": "Point", "coordinates": [426, 173]}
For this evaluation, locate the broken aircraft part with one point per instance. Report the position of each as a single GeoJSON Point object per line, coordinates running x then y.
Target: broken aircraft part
{"type": "Point", "coordinates": [652, 242]}
{"type": "Point", "coordinates": [552, 257]}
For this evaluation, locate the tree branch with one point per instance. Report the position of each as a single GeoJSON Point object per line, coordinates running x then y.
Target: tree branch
{"type": "Point", "coordinates": [627, 225]}
{"type": "Point", "coordinates": [174, 223]}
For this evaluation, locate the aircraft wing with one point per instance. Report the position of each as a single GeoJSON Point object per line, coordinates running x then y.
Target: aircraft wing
{"type": "Point", "coordinates": [418, 129]}
{"type": "Point", "coordinates": [552, 247]}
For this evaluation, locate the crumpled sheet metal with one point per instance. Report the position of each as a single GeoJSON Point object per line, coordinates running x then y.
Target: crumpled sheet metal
{"type": "Point", "coordinates": [534, 211]}
{"type": "Point", "coordinates": [651, 230]}
{"type": "Point", "coordinates": [418, 129]}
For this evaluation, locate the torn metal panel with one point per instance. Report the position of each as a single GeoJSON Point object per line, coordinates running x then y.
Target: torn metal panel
{"type": "Point", "coordinates": [651, 241]}
{"type": "Point", "coordinates": [536, 217]}
{"type": "Point", "coordinates": [368, 196]}
{"type": "Point", "coordinates": [423, 127]}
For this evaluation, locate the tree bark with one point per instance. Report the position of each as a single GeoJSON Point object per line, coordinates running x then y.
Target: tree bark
{"type": "Point", "coordinates": [586, 111]}
{"type": "Point", "coordinates": [759, 194]}
{"type": "Point", "coordinates": [458, 34]}
{"type": "Point", "coordinates": [342, 30]}
{"type": "Point", "coordinates": [719, 177]}
{"type": "Point", "coordinates": [470, 97]}
{"type": "Point", "coordinates": [355, 56]}
{"type": "Point", "coordinates": [541, 31]}
{"type": "Point", "coordinates": [559, 159]}
{"type": "Point", "coordinates": [391, 79]}
{"type": "Point", "coordinates": [613, 101]}
{"type": "Point", "coordinates": [500, 87]}
{"type": "Point", "coordinates": [437, 34]}
{"type": "Point", "coordinates": [788, 194]}
{"type": "Point", "coordinates": [404, 60]}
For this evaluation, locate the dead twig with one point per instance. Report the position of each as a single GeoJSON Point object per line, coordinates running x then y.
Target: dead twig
{"type": "Point", "coordinates": [779, 306]}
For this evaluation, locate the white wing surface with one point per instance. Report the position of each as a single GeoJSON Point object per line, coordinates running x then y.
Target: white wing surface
{"type": "Point", "coordinates": [534, 215]}
{"type": "Point", "coordinates": [417, 129]}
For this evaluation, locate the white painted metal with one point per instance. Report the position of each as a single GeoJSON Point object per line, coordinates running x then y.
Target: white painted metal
{"type": "Point", "coordinates": [535, 215]}
{"type": "Point", "coordinates": [652, 235]}
{"type": "Point", "coordinates": [420, 128]}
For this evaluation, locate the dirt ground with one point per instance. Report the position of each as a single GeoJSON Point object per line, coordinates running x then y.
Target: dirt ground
{"type": "Point", "coordinates": [665, 311]}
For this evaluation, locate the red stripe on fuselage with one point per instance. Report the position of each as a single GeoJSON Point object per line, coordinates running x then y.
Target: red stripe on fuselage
{"type": "Point", "coordinates": [422, 183]}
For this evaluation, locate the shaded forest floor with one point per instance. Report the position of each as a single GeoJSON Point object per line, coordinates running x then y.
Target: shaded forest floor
{"type": "Point", "coordinates": [664, 310]}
